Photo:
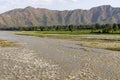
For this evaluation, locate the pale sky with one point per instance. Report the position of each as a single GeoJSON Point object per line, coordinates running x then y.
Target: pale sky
{"type": "Point", "coordinates": [6, 5]}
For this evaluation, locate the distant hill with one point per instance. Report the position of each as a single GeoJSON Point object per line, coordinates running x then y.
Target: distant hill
{"type": "Point", "coordinates": [30, 16]}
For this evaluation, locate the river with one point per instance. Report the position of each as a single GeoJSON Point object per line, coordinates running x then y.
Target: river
{"type": "Point", "coordinates": [74, 61]}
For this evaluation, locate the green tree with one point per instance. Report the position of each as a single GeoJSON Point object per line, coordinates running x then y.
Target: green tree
{"type": "Point", "coordinates": [115, 27]}
{"type": "Point", "coordinates": [93, 28]}
{"type": "Point", "coordinates": [97, 26]}
{"type": "Point", "coordinates": [108, 28]}
{"type": "Point", "coordinates": [42, 28]}
{"type": "Point", "coordinates": [71, 28]}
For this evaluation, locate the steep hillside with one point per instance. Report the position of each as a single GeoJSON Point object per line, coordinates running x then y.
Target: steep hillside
{"type": "Point", "coordinates": [30, 16]}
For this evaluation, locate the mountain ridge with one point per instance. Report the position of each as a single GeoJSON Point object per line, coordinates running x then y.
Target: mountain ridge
{"type": "Point", "coordinates": [31, 16]}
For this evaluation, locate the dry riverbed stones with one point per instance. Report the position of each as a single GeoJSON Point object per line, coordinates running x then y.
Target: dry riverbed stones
{"type": "Point", "coordinates": [22, 64]}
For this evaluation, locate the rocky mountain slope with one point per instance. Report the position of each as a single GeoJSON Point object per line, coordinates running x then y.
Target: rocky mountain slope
{"type": "Point", "coordinates": [30, 16]}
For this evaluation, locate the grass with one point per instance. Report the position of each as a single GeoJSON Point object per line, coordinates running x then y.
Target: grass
{"type": "Point", "coordinates": [76, 32]}
{"type": "Point", "coordinates": [61, 36]}
{"type": "Point", "coordinates": [4, 43]}
{"type": "Point", "coordinates": [66, 32]}
{"type": "Point", "coordinates": [58, 32]}
{"type": "Point", "coordinates": [103, 45]}
{"type": "Point", "coordinates": [109, 44]}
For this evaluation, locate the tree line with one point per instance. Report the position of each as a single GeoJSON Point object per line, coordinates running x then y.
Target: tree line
{"type": "Point", "coordinates": [98, 28]}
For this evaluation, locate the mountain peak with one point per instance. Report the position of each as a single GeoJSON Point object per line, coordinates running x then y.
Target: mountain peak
{"type": "Point", "coordinates": [106, 6]}
{"type": "Point", "coordinates": [29, 7]}
{"type": "Point", "coordinates": [103, 6]}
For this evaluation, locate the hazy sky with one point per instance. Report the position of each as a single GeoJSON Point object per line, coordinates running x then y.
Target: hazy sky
{"type": "Point", "coordinates": [6, 5]}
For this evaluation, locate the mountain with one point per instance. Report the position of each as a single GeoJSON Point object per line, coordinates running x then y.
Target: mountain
{"type": "Point", "coordinates": [30, 16]}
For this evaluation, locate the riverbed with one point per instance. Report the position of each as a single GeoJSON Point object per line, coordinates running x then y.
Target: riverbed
{"type": "Point", "coordinates": [54, 59]}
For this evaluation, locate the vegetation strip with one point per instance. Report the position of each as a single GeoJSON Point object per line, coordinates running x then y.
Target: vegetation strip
{"type": "Point", "coordinates": [71, 29]}
{"type": "Point", "coordinates": [4, 43]}
{"type": "Point", "coordinates": [103, 45]}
